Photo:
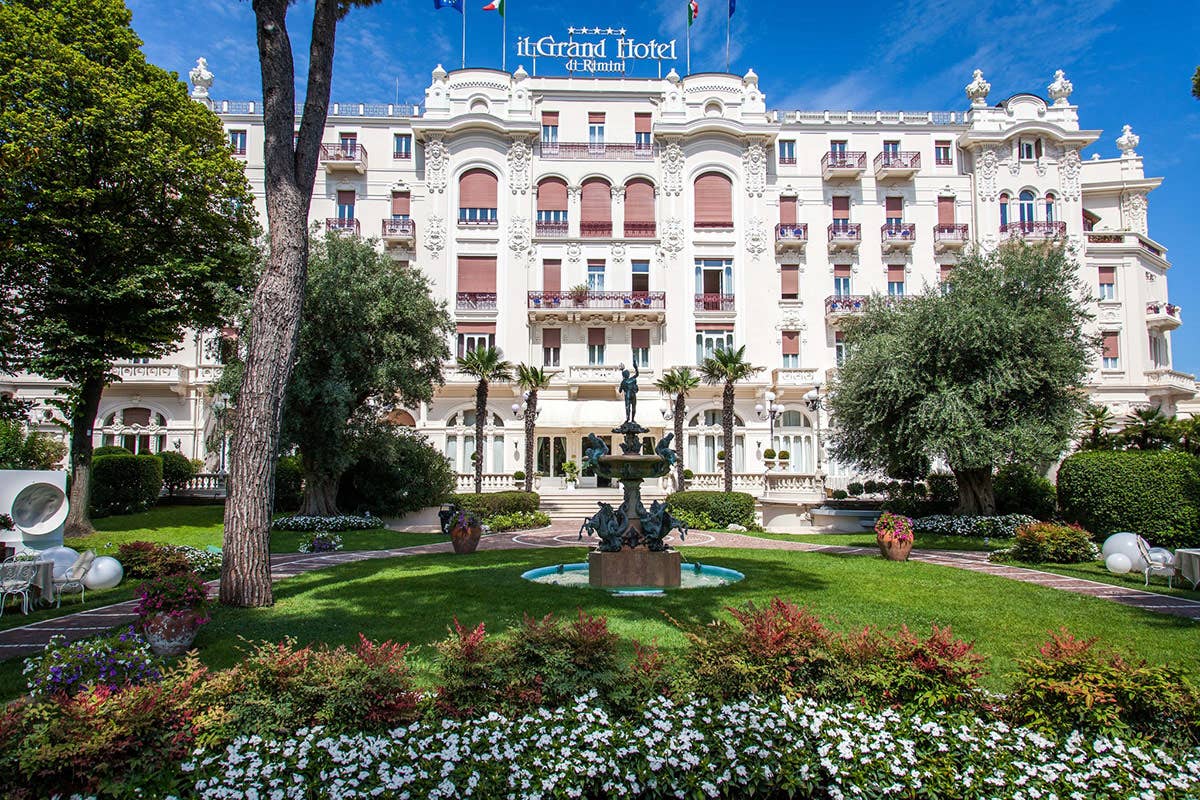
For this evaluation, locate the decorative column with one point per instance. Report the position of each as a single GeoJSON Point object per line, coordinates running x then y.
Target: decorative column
{"type": "Point", "coordinates": [574, 210]}
{"type": "Point", "coordinates": [618, 210]}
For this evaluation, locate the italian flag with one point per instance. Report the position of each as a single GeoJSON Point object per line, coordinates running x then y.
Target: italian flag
{"type": "Point", "coordinates": [495, 5]}
{"type": "Point", "coordinates": [693, 11]}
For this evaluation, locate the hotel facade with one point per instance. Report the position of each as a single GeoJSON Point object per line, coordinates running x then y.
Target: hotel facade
{"type": "Point", "coordinates": [584, 223]}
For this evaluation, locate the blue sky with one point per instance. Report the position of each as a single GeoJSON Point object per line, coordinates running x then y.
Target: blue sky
{"type": "Point", "coordinates": [1131, 63]}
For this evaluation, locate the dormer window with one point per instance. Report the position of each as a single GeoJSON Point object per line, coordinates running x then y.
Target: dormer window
{"type": "Point", "coordinates": [1030, 149]}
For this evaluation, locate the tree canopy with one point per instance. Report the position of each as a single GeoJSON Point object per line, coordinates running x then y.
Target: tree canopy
{"type": "Point", "coordinates": [985, 370]}
{"type": "Point", "coordinates": [124, 208]}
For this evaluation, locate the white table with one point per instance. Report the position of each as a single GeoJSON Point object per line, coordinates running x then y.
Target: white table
{"type": "Point", "coordinates": [1187, 564]}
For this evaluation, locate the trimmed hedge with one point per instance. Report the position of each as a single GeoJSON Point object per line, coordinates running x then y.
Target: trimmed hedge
{"type": "Point", "coordinates": [1020, 489]}
{"type": "Point", "coordinates": [123, 484]}
{"type": "Point", "coordinates": [723, 508]}
{"type": "Point", "coordinates": [1154, 494]}
{"type": "Point", "coordinates": [177, 470]}
{"type": "Point", "coordinates": [490, 504]}
{"type": "Point", "coordinates": [111, 450]}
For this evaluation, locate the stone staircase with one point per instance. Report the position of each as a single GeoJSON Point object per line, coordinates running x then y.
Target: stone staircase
{"type": "Point", "coordinates": [580, 504]}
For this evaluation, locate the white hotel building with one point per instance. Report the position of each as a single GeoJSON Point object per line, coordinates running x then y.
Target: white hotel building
{"type": "Point", "coordinates": [578, 223]}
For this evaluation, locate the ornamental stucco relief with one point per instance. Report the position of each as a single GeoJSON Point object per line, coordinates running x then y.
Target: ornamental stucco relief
{"type": "Point", "coordinates": [435, 234]}
{"type": "Point", "coordinates": [672, 240]}
{"type": "Point", "coordinates": [1068, 169]}
{"type": "Point", "coordinates": [519, 240]}
{"type": "Point", "coordinates": [672, 167]}
{"type": "Point", "coordinates": [436, 165]}
{"type": "Point", "coordinates": [520, 158]}
{"type": "Point", "coordinates": [1133, 212]}
{"type": "Point", "coordinates": [756, 238]}
{"type": "Point", "coordinates": [754, 167]}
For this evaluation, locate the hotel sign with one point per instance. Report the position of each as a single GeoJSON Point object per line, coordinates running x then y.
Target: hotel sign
{"type": "Point", "coordinates": [607, 54]}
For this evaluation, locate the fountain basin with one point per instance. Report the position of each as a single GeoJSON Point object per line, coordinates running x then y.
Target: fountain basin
{"type": "Point", "coordinates": [692, 576]}
{"type": "Point", "coordinates": [632, 467]}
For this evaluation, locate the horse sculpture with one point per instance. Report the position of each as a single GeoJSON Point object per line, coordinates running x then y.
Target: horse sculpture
{"type": "Point", "coordinates": [657, 523]}
{"type": "Point", "coordinates": [609, 525]}
{"type": "Point", "coordinates": [664, 451]}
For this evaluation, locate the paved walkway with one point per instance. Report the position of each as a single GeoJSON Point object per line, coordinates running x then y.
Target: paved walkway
{"type": "Point", "coordinates": [33, 637]}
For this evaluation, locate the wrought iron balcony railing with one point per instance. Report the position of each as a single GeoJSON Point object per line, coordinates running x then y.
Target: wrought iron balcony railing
{"type": "Point", "coordinates": [341, 225]}
{"type": "Point", "coordinates": [1034, 230]}
{"type": "Point", "coordinates": [714, 302]}
{"type": "Point", "coordinates": [551, 230]}
{"type": "Point", "coordinates": [476, 301]}
{"type": "Point", "coordinates": [793, 232]}
{"type": "Point", "coordinates": [845, 232]}
{"type": "Point", "coordinates": [596, 151]}
{"type": "Point", "coordinates": [592, 299]}
{"type": "Point", "coordinates": [350, 154]}
{"type": "Point", "coordinates": [955, 234]}
{"type": "Point", "coordinates": [640, 229]}
{"type": "Point", "coordinates": [901, 161]}
{"type": "Point", "coordinates": [596, 230]}
{"type": "Point", "coordinates": [399, 229]}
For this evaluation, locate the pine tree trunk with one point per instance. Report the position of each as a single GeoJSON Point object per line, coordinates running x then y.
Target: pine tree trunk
{"type": "Point", "coordinates": [976, 495]}
{"type": "Point", "coordinates": [680, 402]}
{"type": "Point", "coordinates": [83, 417]}
{"type": "Point", "coordinates": [481, 395]}
{"type": "Point", "coordinates": [289, 172]}
{"type": "Point", "coordinates": [530, 422]}
{"type": "Point", "coordinates": [320, 496]}
{"type": "Point", "coordinates": [727, 434]}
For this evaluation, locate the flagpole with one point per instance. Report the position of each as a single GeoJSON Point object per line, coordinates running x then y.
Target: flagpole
{"type": "Point", "coordinates": [727, 42]}
{"type": "Point", "coordinates": [504, 40]}
{"type": "Point", "coordinates": [689, 41]}
{"type": "Point", "coordinates": [464, 34]}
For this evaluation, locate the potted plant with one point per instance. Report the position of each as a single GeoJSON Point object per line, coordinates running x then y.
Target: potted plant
{"type": "Point", "coordinates": [463, 527]}
{"type": "Point", "coordinates": [570, 474]}
{"type": "Point", "coordinates": [171, 609]}
{"type": "Point", "coordinates": [579, 293]}
{"type": "Point", "coordinates": [769, 457]}
{"type": "Point", "coordinates": [519, 479]}
{"type": "Point", "coordinates": [894, 535]}
{"type": "Point", "coordinates": [720, 456]}
{"type": "Point", "coordinates": [784, 457]}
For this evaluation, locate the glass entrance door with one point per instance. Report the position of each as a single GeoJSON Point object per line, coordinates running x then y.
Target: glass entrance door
{"type": "Point", "coordinates": [551, 453]}
{"type": "Point", "coordinates": [588, 476]}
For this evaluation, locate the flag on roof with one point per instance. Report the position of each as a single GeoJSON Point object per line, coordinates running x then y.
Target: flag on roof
{"type": "Point", "coordinates": [732, 4]}
{"type": "Point", "coordinates": [457, 5]}
{"type": "Point", "coordinates": [495, 5]}
{"type": "Point", "coordinates": [693, 11]}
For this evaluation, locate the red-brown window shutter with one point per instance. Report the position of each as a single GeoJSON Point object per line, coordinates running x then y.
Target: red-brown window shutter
{"type": "Point", "coordinates": [477, 327]}
{"type": "Point", "coordinates": [946, 269]}
{"type": "Point", "coordinates": [841, 206]}
{"type": "Point", "coordinates": [401, 202]}
{"type": "Point", "coordinates": [787, 211]}
{"type": "Point", "coordinates": [595, 117]}
{"type": "Point", "coordinates": [945, 211]}
{"type": "Point", "coordinates": [714, 326]}
{"type": "Point", "coordinates": [640, 338]}
{"type": "Point", "coordinates": [714, 199]}
{"type": "Point", "coordinates": [476, 274]}
{"type": "Point", "coordinates": [791, 343]}
{"type": "Point", "coordinates": [595, 336]}
{"type": "Point", "coordinates": [641, 123]}
{"type": "Point", "coordinates": [552, 195]}
{"type": "Point", "coordinates": [477, 189]}
{"type": "Point", "coordinates": [639, 201]}
{"type": "Point", "coordinates": [552, 337]}
{"type": "Point", "coordinates": [550, 118]}
{"type": "Point", "coordinates": [841, 270]}
{"type": "Point", "coordinates": [345, 197]}
{"type": "Point", "coordinates": [597, 201]}
{"type": "Point", "coordinates": [1111, 344]}
{"type": "Point", "coordinates": [790, 279]}
{"type": "Point", "coordinates": [894, 207]}
{"type": "Point", "coordinates": [1108, 274]}
{"type": "Point", "coordinates": [552, 275]}
{"type": "Point", "coordinates": [895, 273]}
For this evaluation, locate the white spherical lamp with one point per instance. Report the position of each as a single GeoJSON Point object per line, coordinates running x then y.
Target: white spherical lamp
{"type": "Point", "coordinates": [1118, 563]}
{"type": "Point", "coordinates": [1126, 544]}
{"type": "Point", "coordinates": [106, 572]}
{"type": "Point", "coordinates": [63, 558]}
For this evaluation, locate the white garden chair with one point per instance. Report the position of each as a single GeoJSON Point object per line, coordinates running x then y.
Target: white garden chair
{"type": "Point", "coordinates": [1156, 563]}
{"type": "Point", "coordinates": [72, 579]}
{"type": "Point", "coordinates": [16, 578]}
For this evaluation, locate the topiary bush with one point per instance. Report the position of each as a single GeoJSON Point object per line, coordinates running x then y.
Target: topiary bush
{"type": "Point", "coordinates": [176, 470]}
{"type": "Point", "coordinates": [124, 484]}
{"type": "Point", "coordinates": [491, 504]}
{"type": "Point", "coordinates": [722, 508]}
{"type": "Point", "coordinates": [1020, 489]}
{"type": "Point", "coordinates": [1048, 543]}
{"type": "Point", "coordinates": [400, 472]}
{"type": "Point", "coordinates": [289, 483]}
{"type": "Point", "coordinates": [1152, 493]}
{"type": "Point", "coordinates": [856, 489]}
{"type": "Point", "coordinates": [839, 494]}
{"type": "Point", "coordinates": [111, 450]}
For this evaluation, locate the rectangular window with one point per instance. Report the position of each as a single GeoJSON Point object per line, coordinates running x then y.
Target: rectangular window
{"type": "Point", "coordinates": [839, 349]}
{"type": "Point", "coordinates": [551, 346]}
{"type": "Point", "coordinates": [401, 205]}
{"type": "Point", "coordinates": [345, 204]}
{"type": "Point", "coordinates": [596, 131]}
{"type": "Point", "coordinates": [787, 152]}
{"type": "Point", "coordinates": [891, 149]}
{"type": "Point", "coordinates": [710, 340]}
{"type": "Point", "coordinates": [595, 276]}
{"type": "Point", "coordinates": [552, 216]}
{"type": "Point", "coordinates": [791, 348]}
{"type": "Point", "coordinates": [552, 275]}
{"type": "Point", "coordinates": [237, 142]}
{"type": "Point", "coordinates": [1027, 150]}
{"type": "Point", "coordinates": [596, 346]}
{"type": "Point", "coordinates": [838, 147]}
{"type": "Point", "coordinates": [1108, 283]}
{"type": "Point", "coordinates": [348, 144]}
{"type": "Point", "coordinates": [942, 154]}
{"type": "Point", "coordinates": [1110, 349]}
{"type": "Point", "coordinates": [895, 276]}
{"type": "Point", "coordinates": [714, 281]}
{"type": "Point", "coordinates": [841, 280]}
{"type": "Point", "coordinates": [402, 145]}
{"type": "Point", "coordinates": [640, 340]}
{"type": "Point", "coordinates": [841, 212]}
{"type": "Point", "coordinates": [642, 131]}
{"type": "Point", "coordinates": [894, 211]}
{"type": "Point", "coordinates": [468, 342]}
{"type": "Point", "coordinates": [789, 282]}
{"type": "Point", "coordinates": [477, 215]}
{"type": "Point", "coordinates": [640, 278]}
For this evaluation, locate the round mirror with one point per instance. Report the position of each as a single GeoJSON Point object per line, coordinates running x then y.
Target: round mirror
{"type": "Point", "coordinates": [39, 508]}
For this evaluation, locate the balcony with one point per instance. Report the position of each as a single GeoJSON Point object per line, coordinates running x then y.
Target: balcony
{"type": "Point", "coordinates": [714, 302]}
{"type": "Point", "coordinates": [341, 225]}
{"type": "Point", "coordinates": [1105, 241]}
{"type": "Point", "coordinates": [950, 237]}
{"type": "Point", "coordinates": [476, 301]}
{"type": "Point", "coordinates": [596, 230]}
{"type": "Point", "coordinates": [897, 236]}
{"type": "Point", "coordinates": [791, 236]}
{"type": "Point", "coordinates": [899, 165]}
{"type": "Point", "coordinates": [344, 157]}
{"type": "Point", "coordinates": [551, 230]}
{"type": "Point", "coordinates": [610, 306]}
{"type": "Point", "coordinates": [844, 236]}
{"type": "Point", "coordinates": [1034, 231]}
{"type": "Point", "coordinates": [1163, 316]}
{"type": "Point", "coordinates": [599, 151]}
{"type": "Point", "coordinates": [842, 305]}
{"type": "Point", "coordinates": [640, 230]}
{"type": "Point", "coordinates": [399, 231]}
{"type": "Point", "coordinates": [843, 165]}
{"type": "Point", "coordinates": [1169, 383]}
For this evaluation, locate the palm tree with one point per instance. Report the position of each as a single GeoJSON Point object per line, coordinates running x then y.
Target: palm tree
{"type": "Point", "coordinates": [531, 380]}
{"type": "Point", "coordinates": [1097, 422]}
{"type": "Point", "coordinates": [1187, 434]}
{"type": "Point", "coordinates": [488, 365]}
{"type": "Point", "coordinates": [1147, 429]}
{"type": "Point", "coordinates": [676, 383]}
{"type": "Point", "coordinates": [727, 366]}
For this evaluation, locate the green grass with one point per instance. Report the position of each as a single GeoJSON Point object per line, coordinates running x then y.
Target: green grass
{"type": "Point", "coordinates": [1096, 571]}
{"type": "Point", "coordinates": [925, 541]}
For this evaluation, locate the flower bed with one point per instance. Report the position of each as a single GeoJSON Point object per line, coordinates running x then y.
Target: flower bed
{"type": "Point", "coordinates": [110, 662]}
{"type": "Point", "coordinates": [321, 543]}
{"type": "Point", "coordinates": [517, 521]}
{"type": "Point", "coordinates": [344, 522]}
{"type": "Point", "coordinates": [1002, 527]}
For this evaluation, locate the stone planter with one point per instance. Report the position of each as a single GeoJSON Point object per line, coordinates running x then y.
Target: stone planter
{"type": "Point", "coordinates": [894, 550]}
{"type": "Point", "coordinates": [465, 538]}
{"type": "Point", "coordinates": [171, 636]}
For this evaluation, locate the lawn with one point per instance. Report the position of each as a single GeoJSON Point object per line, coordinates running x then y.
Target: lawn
{"type": "Point", "coordinates": [1096, 571]}
{"type": "Point", "coordinates": [924, 541]}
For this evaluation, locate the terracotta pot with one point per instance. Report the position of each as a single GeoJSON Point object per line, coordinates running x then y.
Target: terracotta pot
{"type": "Point", "coordinates": [465, 538]}
{"type": "Point", "coordinates": [894, 550]}
{"type": "Point", "coordinates": [171, 636]}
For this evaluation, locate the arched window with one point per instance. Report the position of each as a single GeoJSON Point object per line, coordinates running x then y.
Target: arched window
{"type": "Point", "coordinates": [794, 433]}
{"type": "Point", "coordinates": [552, 207]}
{"type": "Point", "coordinates": [596, 211]}
{"type": "Point", "coordinates": [477, 197]}
{"type": "Point", "coordinates": [1003, 211]}
{"type": "Point", "coordinates": [639, 208]}
{"type": "Point", "coordinates": [400, 418]}
{"type": "Point", "coordinates": [1025, 203]}
{"type": "Point", "coordinates": [137, 429]}
{"type": "Point", "coordinates": [713, 201]}
{"type": "Point", "coordinates": [1050, 207]}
